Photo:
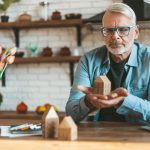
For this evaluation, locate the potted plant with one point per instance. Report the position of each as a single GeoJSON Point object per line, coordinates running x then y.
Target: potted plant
{"type": "Point", "coordinates": [4, 5]}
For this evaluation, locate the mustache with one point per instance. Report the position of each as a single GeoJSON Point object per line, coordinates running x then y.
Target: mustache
{"type": "Point", "coordinates": [115, 44]}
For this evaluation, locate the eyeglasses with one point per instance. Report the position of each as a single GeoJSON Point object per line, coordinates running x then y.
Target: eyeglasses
{"type": "Point", "coordinates": [122, 31]}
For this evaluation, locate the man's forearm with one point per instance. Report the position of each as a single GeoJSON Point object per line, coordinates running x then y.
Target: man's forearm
{"type": "Point", "coordinates": [77, 109]}
{"type": "Point", "coordinates": [133, 103]}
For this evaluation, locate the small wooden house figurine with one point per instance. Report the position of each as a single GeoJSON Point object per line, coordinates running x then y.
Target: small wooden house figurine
{"type": "Point", "coordinates": [102, 85]}
{"type": "Point", "coordinates": [67, 129]}
{"type": "Point", "coordinates": [50, 122]}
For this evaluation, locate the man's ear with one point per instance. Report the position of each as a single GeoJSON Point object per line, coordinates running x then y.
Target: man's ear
{"type": "Point", "coordinates": [137, 30]}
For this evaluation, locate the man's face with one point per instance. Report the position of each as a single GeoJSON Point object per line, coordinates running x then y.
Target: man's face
{"type": "Point", "coordinates": [118, 44]}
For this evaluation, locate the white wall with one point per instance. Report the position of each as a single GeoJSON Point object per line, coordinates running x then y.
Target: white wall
{"type": "Point", "coordinates": [36, 84]}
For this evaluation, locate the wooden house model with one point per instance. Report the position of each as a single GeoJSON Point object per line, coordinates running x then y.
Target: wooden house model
{"type": "Point", "coordinates": [102, 85]}
{"type": "Point", "coordinates": [67, 129]}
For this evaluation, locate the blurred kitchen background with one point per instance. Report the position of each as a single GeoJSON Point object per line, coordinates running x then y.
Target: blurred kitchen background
{"type": "Point", "coordinates": [40, 83]}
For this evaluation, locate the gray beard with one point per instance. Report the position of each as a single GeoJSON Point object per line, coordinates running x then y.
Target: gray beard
{"type": "Point", "coordinates": [119, 51]}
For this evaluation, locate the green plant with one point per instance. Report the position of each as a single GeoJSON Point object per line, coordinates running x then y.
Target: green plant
{"type": "Point", "coordinates": [4, 5]}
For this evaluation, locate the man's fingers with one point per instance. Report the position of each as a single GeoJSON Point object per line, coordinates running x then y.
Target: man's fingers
{"type": "Point", "coordinates": [86, 90]}
{"type": "Point", "coordinates": [104, 97]}
{"type": "Point", "coordinates": [112, 95]}
{"type": "Point", "coordinates": [112, 102]}
{"type": "Point", "coordinates": [121, 92]}
{"type": "Point", "coordinates": [124, 92]}
{"type": "Point", "coordinates": [96, 103]}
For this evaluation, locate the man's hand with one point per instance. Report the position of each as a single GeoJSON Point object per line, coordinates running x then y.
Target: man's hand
{"type": "Point", "coordinates": [91, 100]}
{"type": "Point", "coordinates": [118, 92]}
{"type": "Point", "coordinates": [115, 98]}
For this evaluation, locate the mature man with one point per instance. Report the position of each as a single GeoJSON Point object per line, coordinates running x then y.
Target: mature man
{"type": "Point", "coordinates": [127, 65]}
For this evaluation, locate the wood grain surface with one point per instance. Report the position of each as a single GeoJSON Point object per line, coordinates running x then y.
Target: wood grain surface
{"type": "Point", "coordinates": [91, 136]}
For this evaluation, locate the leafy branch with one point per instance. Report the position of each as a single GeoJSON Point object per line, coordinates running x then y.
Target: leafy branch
{"type": "Point", "coordinates": [4, 5]}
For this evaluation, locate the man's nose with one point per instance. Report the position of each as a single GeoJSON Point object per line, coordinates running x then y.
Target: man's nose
{"type": "Point", "coordinates": [115, 35]}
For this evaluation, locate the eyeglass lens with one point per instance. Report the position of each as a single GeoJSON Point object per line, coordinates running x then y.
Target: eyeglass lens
{"type": "Point", "coordinates": [122, 31]}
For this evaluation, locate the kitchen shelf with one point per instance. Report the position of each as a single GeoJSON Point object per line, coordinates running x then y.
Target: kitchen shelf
{"type": "Point", "coordinates": [41, 24]}
{"type": "Point", "coordinates": [17, 26]}
{"type": "Point", "coordinates": [55, 59]}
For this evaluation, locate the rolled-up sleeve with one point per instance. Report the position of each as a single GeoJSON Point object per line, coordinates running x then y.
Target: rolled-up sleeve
{"type": "Point", "coordinates": [76, 106]}
{"type": "Point", "coordinates": [135, 108]}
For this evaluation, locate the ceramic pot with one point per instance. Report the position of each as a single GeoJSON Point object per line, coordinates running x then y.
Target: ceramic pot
{"type": "Point", "coordinates": [4, 18]}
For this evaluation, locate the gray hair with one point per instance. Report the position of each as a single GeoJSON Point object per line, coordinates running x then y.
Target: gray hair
{"type": "Point", "coordinates": [124, 9]}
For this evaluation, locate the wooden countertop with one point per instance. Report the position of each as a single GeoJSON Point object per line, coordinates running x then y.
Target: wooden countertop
{"type": "Point", "coordinates": [67, 145]}
{"type": "Point", "coordinates": [92, 136]}
{"type": "Point", "coordinates": [113, 131]}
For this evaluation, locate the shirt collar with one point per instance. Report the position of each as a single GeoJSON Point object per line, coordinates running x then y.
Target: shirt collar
{"type": "Point", "coordinates": [106, 59]}
{"type": "Point", "coordinates": [132, 61]}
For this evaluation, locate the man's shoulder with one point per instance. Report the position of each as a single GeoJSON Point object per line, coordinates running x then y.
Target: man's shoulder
{"type": "Point", "coordinates": [143, 53]}
{"type": "Point", "coordinates": [143, 48]}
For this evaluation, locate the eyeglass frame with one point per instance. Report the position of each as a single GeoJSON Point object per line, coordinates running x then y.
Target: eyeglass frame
{"type": "Point", "coordinates": [116, 30]}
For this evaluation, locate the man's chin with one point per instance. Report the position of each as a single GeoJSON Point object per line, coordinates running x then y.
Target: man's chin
{"type": "Point", "coordinates": [117, 52]}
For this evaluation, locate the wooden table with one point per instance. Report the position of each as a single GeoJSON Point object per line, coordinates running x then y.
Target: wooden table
{"type": "Point", "coordinates": [92, 136]}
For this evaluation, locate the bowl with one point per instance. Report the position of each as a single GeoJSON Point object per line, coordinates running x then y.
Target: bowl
{"type": "Point", "coordinates": [19, 54]}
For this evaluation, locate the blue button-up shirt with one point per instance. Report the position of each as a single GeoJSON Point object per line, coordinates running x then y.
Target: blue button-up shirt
{"type": "Point", "coordinates": [136, 106]}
